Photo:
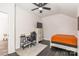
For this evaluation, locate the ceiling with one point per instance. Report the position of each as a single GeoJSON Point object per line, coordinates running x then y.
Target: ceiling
{"type": "Point", "coordinates": [69, 9]}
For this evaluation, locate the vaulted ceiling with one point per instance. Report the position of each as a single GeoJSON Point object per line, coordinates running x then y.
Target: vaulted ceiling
{"type": "Point", "coordinates": [69, 9]}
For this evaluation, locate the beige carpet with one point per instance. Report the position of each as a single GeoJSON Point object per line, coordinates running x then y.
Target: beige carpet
{"type": "Point", "coordinates": [32, 51]}
{"type": "Point", "coordinates": [3, 48]}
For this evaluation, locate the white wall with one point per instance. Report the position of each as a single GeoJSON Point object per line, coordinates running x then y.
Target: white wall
{"type": "Point", "coordinates": [25, 23]}
{"type": "Point", "coordinates": [78, 30]}
{"type": "Point", "coordinates": [10, 10]}
{"type": "Point", "coordinates": [59, 24]}
{"type": "Point", "coordinates": [3, 24]}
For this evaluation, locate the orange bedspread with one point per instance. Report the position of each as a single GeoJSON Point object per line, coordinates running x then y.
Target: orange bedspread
{"type": "Point", "coordinates": [66, 39]}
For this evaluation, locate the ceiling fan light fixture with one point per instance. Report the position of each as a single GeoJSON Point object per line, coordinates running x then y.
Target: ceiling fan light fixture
{"type": "Point", "coordinates": [40, 8]}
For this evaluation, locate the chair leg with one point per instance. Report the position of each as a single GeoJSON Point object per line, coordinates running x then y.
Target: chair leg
{"type": "Point", "coordinates": [29, 46]}
{"type": "Point", "coordinates": [23, 47]}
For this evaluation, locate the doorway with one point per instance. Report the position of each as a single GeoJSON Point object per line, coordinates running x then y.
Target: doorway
{"type": "Point", "coordinates": [4, 30]}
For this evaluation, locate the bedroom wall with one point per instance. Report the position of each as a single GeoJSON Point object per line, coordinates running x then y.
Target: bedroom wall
{"type": "Point", "coordinates": [59, 24]}
{"type": "Point", "coordinates": [78, 28]}
{"type": "Point", "coordinates": [25, 23]}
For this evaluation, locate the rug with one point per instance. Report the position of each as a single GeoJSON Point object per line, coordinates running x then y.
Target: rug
{"type": "Point", "coordinates": [32, 51]}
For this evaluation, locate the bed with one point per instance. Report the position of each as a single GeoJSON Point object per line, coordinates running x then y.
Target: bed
{"type": "Point", "coordinates": [68, 42]}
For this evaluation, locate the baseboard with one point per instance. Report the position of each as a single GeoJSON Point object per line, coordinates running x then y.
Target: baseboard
{"type": "Point", "coordinates": [13, 54]}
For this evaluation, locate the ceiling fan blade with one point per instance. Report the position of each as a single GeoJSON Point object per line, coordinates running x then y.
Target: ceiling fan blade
{"type": "Point", "coordinates": [36, 4]}
{"type": "Point", "coordinates": [40, 11]}
{"type": "Point", "coordinates": [34, 9]}
{"type": "Point", "coordinates": [46, 8]}
{"type": "Point", "coordinates": [44, 4]}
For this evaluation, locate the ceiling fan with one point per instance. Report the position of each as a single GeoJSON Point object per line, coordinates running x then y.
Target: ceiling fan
{"type": "Point", "coordinates": [40, 6]}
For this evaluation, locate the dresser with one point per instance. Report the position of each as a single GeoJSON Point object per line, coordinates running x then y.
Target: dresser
{"type": "Point", "coordinates": [39, 32]}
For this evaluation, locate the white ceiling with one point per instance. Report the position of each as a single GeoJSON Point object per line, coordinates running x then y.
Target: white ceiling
{"type": "Point", "coordinates": [65, 8]}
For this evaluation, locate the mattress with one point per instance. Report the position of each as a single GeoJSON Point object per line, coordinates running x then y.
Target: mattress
{"type": "Point", "coordinates": [69, 40]}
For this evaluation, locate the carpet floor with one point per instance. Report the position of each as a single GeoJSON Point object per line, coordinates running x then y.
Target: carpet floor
{"type": "Point", "coordinates": [32, 51]}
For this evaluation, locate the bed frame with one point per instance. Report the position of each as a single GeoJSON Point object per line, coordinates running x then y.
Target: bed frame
{"type": "Point", "coordinates": [62, 46]}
